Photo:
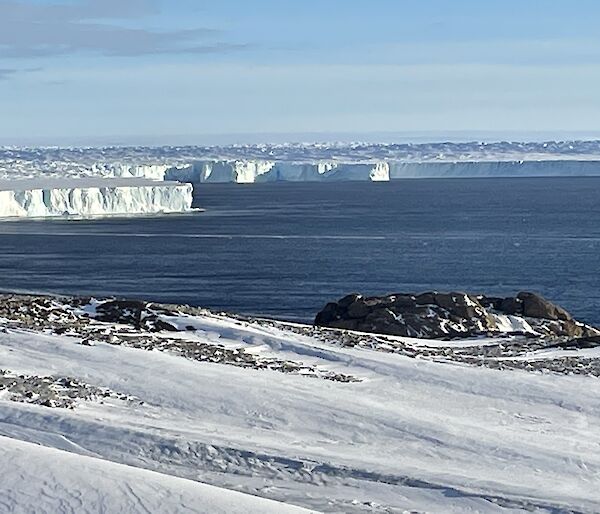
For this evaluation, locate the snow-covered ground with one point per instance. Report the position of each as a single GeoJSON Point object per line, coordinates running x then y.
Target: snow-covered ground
{"type": "Point", "coordinates": [284, 412]}
{"type": "Point", "coordinates": [41, 479]}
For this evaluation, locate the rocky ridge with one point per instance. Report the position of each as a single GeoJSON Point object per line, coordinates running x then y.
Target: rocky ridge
{"type": "Point", "coordinates": [434, 315]}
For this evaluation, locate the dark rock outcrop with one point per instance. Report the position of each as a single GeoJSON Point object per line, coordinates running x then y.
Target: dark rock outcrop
{"type": "Point", "coordinates": [139, 314]}
{"type": "Point", "coordinates": [534, 306]}
{"type": "Point", "coordinates": [450, 315]}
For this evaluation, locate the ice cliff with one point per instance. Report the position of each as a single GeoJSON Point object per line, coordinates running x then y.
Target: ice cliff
{"type": "Point", "coordinates": [253, 171]}
{"type": "Point", "coordinates": [518, 168]}
{"type": "Point", "coordinates": [92, 197]}
{"type": "Point", "coordinates": [250, 171]}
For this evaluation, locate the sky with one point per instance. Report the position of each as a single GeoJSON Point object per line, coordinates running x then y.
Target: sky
{"type": "Point", "coordinates": [200, 72]}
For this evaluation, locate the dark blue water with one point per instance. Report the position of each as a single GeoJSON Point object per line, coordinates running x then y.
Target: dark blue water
{"type": "Point", "coordinates": [285, 249]}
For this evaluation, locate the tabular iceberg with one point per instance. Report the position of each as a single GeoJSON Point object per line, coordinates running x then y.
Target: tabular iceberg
{"type": "Point", "coordinates": [326, 171]}
{"type": "Point", "coordinates": [250, 171]}
{"type": "Point", "coordinates": [257, 170]}
{"type": "Point", "coordinates": [466, 169]}
{"type": "Point", "coordinates": [92, 197]}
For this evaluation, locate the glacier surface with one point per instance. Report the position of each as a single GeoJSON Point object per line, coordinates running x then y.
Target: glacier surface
{"type": "Point", "coordinates": [92, 197]}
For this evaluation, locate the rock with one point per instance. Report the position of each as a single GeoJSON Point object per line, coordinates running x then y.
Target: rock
{"type": "Point", "coordinates": [344, 324]}
{"type": "Point", "coordinates": [580, 343]}
{"type": "Point", "coordinates": [128, 312]}
{"type": "Point", "coordinates": [358, 309]}
{"type": "Point", "coordinates": [158, 325]}
{"type": "Point", "coordinates": [511, 306]}
{"type": "Point", "coordinates": [425, 299]}
{"type": "Point", "coordinates": [327, 314]}
{"type": "Point", "coordinates": [535, 306]}
{"type": "Point", "coordinates": [346, 301]}
{"type": "Point", "coordinates": [460, 304]}
{"type": "Point", "coordinates": [493, 302]}
{"type": "Point", "coordinates": [451, 315]}
{"type": "Point", "coordinates": [403, 300]}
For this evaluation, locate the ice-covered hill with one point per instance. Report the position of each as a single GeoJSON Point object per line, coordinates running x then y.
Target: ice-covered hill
{"type": "Point", "coordinates": [331, 420]}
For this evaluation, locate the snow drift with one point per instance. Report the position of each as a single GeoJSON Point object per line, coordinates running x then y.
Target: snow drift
{"type": "Point", "coordinates": [47, 480]}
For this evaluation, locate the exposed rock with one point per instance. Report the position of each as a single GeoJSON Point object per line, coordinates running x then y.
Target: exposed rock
{"type": "Point", "coordinates": [511, 306]}
{"type": "Point", "coordinates": [128, 312]}
{"type": "Point", "coordinates": [450, 315]}
{"type": "Point", "coordinates": [346, 301]}
{"type": "Point", "coordinates": [580, 343]}
{"type": "Point", "coordinates": [327, 314]}
{"type": "Point", "coordinates": [359, 309]}
{"type": "Point", "coordinates": [49, 391]}
{"type": "Point", "coordinates": [534, 306]}
{"type": "Point", "coordinates": [346, 324]}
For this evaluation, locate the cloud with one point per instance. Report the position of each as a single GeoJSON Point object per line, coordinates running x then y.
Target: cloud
{"type": "Point", "coordinates": [95, 26]}
{"type": "Point", "coordinates": [6, 73]}
{"type": "Point", "coordinates": [9, 73]}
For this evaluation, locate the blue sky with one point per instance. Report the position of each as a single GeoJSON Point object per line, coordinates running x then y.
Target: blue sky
{"type": "Point", "coordinates": [195, 71]}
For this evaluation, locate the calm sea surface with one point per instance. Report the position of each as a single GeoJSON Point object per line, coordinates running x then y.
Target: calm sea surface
{"type": "Point", "coordinates": [285, 249]}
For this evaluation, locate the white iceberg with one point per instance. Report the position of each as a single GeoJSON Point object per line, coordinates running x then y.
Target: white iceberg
{"type": "Point", "coordinates": [251, 171]}
{"type": "Point", "coordinates": [92, 197]}
{"type": "Point", "coordinates": [511, 168]}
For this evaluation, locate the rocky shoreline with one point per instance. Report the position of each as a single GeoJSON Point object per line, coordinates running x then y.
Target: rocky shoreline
{"type": "Point", "coordinates": [525, 333]}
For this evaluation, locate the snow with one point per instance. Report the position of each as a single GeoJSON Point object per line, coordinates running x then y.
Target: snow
{"type": "Point", "coordinates": [512, 324]}
{"type": "Point", "coordinates": [558, 353]}
{"type": "Point", "coordinates": [411, 435]}
{"type": "Point", "coordinates": [46, 480]}
{"type": "Point", "coordinates": [92, 197]}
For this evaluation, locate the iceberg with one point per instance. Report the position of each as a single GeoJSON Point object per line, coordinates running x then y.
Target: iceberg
{"type": "Point", "coordinates": [252, 171]}
{"type": "Point", "coordinates": [238, 171]}
{"type": "Point", "coordinates": [326, 171]}
{"type": "Point", "coordinates": [92, 197]}
{"type": "Point", "coordinates": [514, 168]}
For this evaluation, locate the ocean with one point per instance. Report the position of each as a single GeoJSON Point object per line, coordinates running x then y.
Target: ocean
{"type": "Point", "coordinates": [285, 249]}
